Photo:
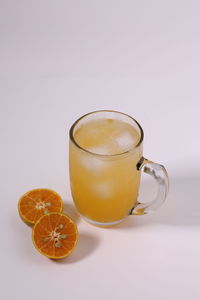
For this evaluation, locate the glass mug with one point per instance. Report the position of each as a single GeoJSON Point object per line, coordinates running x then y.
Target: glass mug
{"type": "Point", "coordinates": [105, 161]}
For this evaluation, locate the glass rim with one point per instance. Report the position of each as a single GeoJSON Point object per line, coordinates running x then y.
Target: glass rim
{"type": "Point", "coordinates": [71, 134]}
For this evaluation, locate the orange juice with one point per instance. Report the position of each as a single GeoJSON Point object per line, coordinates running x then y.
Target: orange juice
{"type": "Point", "coordinates": [103, 173]}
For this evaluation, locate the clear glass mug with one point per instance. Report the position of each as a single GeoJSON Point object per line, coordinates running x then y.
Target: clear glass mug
{"type": "Point", "coordinates": [105, 186]}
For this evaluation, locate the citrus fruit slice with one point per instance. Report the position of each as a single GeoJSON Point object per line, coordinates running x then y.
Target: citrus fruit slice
{"type": "Point", "coordinates": [55, 235]}
{"type": "Point", "coordinates": [36, 203]}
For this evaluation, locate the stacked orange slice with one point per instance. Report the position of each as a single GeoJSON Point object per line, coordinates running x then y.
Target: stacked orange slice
{"type": "Point", "coordinates": [54, 234]}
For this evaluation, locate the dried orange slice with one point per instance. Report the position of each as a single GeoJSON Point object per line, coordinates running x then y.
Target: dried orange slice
{"type": "Point", "coordinates": [55, 235]}
{"type": "Point", "coordinates": [36, 203]}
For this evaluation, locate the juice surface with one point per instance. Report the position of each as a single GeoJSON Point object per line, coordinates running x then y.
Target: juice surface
{"type": "Point", "coordinates": [107, 136]}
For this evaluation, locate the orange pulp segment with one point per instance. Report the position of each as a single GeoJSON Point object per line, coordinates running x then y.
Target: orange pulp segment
{"type": "Point", "coordinates": [55, 235]}
{"type": "Point", "coordinates": [36, 203]}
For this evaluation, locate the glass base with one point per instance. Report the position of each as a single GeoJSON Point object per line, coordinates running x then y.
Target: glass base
{"type": "Point", "coordinates": [102, 224]}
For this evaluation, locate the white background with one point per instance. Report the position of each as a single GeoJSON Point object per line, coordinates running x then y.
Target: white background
{"type": "Point", "coordinates": [61, 59]}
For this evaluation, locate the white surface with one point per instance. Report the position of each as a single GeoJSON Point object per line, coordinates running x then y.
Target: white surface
{"type": "Point", "coordinates": [61, 59]}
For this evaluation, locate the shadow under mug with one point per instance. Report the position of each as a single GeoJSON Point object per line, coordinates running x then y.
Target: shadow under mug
{"type": "Point", "coordinates": [105, 187]}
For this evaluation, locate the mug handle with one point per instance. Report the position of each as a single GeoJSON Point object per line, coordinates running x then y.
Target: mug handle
{"type": "Point", "coordinates": [159, 173]}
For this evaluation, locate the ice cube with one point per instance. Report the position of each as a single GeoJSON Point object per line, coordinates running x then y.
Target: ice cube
{"type": "Point", "coordinates": [125, 141]}
{"type": "Point", "coordinates": [103, 190]}
{"type": "Point", "coordinates": [92, 163]}
{"type": "Point", "coordinates": [102, 149]}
